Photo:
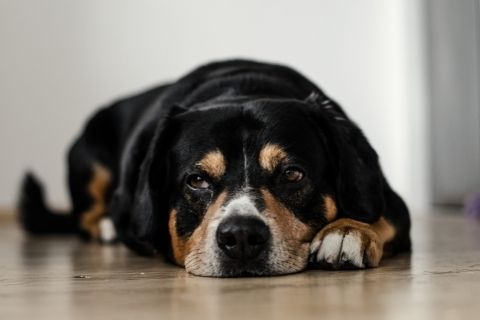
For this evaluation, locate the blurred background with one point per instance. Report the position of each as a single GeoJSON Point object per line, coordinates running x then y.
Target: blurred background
{"type": "Point", "coordinates": [406, 70]}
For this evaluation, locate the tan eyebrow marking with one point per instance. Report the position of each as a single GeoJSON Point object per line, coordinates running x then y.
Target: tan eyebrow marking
{"type": "Point", "coordinates": [213, 163]}
{"type": "Point", "coordinates": [270, 156]}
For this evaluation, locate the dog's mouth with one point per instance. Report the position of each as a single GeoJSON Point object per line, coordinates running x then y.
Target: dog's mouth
{"type": "Point", "coordinates": [242, 271]}
{"type": "Point", "coordinates": [239, 272]}
{"type": "Point", "coordinates": [229, 267]}
{"type": "Point", "coordinates": [269, 263]}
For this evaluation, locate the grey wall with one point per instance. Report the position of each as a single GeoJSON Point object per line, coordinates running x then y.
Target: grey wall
{"type": "Point", "coordinates": [454, 31]}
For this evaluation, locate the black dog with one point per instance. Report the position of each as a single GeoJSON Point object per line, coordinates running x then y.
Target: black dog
{"type": "Point", "coordinates": [238, 168]}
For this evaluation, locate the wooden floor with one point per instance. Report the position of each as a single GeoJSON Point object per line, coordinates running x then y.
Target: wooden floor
{"type": "Point", "coordinates": [63, 278]}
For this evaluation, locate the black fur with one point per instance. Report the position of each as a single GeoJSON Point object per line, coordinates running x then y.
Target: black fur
{"type": "Point", "coordinates": [151, 141]}
{"type": "Point", "coordinates": [36, 217]}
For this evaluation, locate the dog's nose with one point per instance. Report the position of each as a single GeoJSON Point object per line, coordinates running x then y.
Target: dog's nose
{"type": "Point", "coordinates": [243, 238]}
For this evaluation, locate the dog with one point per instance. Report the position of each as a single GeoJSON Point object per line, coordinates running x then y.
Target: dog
{"type": "Point", "coordinates": [240, 168]}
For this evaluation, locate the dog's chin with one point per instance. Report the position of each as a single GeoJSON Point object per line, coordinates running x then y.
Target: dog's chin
{"type": "Point", "coordinates": [227, 268]}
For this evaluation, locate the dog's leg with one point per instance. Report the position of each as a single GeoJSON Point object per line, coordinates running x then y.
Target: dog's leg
{"type": "Point", "coordinates": [92, 161]}
{"type": "Point", "coordinates": [346, 244]}
{"type": "Point", "coordinates": [90, 188]}
{"type": "Point", "coordinates": [93, 221]}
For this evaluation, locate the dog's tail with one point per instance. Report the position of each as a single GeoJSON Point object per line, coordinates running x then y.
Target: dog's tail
{"type": "Point", "coordinates": [36, 217]}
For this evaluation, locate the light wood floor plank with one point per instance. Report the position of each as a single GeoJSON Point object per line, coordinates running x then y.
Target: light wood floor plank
{"type": "Point", "coordinates": [63, 278]}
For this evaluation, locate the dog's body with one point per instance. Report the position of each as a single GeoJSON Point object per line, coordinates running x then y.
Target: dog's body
{"type": "Point", "coordinates": [238, 168]}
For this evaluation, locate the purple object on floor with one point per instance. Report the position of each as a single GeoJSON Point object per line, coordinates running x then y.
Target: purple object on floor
{"type": "Point", "coordinates": [472, 206]}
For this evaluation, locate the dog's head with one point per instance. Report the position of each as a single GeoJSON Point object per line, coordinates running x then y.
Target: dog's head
{"type": "Point", "coordinates": [240, 188]}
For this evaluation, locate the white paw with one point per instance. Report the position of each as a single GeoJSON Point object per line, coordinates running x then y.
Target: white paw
{"type": "Point", "coordinates": [345, 247]}
{"type": "Point", "coordinates": [107, 230]}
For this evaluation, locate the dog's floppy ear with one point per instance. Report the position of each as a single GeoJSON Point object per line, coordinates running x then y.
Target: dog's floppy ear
{"type": "Point", "coordinates": [140, 202]}
{"type": "Point", "coordinates": [359, 179]}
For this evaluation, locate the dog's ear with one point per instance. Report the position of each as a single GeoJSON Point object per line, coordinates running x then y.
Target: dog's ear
{"type": "Point", "coordinates": [139, 206]}
{"type": "Point", "coordinates": [358, 177]}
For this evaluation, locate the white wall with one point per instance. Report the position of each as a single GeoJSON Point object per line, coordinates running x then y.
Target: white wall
{"type": "Point", "coordinates": [60, 60]}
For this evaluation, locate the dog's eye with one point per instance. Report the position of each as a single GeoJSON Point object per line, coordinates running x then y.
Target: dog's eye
{"type": "Point", "coordinates": [293, 174]}
{"type": "Point", "coordinates": [196, 181]}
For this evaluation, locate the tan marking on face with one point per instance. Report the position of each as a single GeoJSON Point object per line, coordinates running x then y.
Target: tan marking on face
{"type": "Point", "coordinates": [193, 245]}
{"type": "Point", "coordinates": [296, 233]}
{"type": "Point", "coordinates": [178, 243]}
{"type": "Point", "coordinates": [374, 236]}
{"type": "Point", "coordinates": [271, 156]}
{"type": "Point", "coordinates": [97, 189]}
{"type": "Point", "coordinates": [330, 208]}
{"type": "Point", "coordinates": [214, 164]}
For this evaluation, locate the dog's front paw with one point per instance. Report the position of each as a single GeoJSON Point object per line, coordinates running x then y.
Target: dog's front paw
{"type": "Point", "coordinates": [346, 244]}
